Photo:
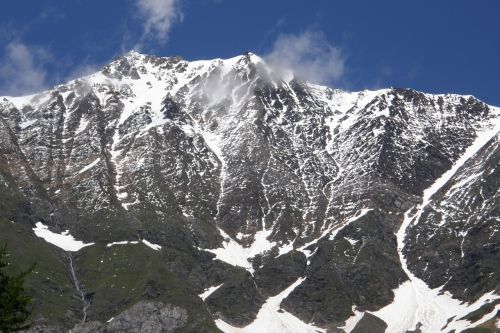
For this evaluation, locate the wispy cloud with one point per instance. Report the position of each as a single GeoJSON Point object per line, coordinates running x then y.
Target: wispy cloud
{"type": "Point", "coordinates": [23, 68]}
{"type": "Point", "coordinates": [26, 68]}
{"type": "Point", "coordinates": [309, 56]}
{"type": "Point", "coordinates": [158, 17]}
{"type": "Point", "coordinates": [83, 69]}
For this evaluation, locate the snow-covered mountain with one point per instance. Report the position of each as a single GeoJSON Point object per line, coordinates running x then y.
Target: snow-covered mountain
{"type": "Point", "coordinates": [218, 195]}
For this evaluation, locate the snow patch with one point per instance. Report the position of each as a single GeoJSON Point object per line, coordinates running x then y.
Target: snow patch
{"type": "Point", "coordinates": [350, 240]}
{"type": "Point", "coordinates": [414, 302]}
{"type": "Point", "coordinates": [64, 240]}
{"type": "Point", "coordinates": [21, 101]}
{"type": "Point", "coordinates": [237, 255]}
{"type": "Point", "coordinates": [82, 126]}
{"type": "Point", "coordinates": [353, 320]}
{"type": "Point", "coordinates": [89, 166]}
{"type": "Point", "coordinates": [121, 243]}
{"type": "Point", "coordinates": [155, 247]}
{"type": "Point", "coordinates": [209, 291]}
{"type": "Point", "coordinates": [27, 123]}
{"type": "Point", "coordinates": [356, 217]}
{"type": "Point", "coordinates": [272, 319]}
{"type": "Point", "coordinates": [481, 140]}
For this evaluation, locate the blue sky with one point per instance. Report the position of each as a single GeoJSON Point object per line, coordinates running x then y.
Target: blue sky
{"type": "Point", "coordinates": [433, 46]}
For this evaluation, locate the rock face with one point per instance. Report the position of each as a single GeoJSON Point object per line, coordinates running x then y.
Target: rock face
{"type": "Point", "coordinates": [370, 324]}
{"type": "Point", "coordinates": [148, 317]}
{"type": "Point", "coordinates": [460, 229]}
{"type": "Point", "coordinates": [143, 317]}
{"type": "Point", "coordinates": [248, 182]}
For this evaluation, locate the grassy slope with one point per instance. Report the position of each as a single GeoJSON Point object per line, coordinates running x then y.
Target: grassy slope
{"type": "Point", "coordinates": [119, 276]}
{"type": "Point", "coordinates": [114, 278]}
{"type": "Point", "coordinates": [50, 283]}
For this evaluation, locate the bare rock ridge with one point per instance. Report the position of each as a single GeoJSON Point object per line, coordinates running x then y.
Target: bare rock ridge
{"type": "Point", "coordinates": [219, 195]}
{"type": "Point", "coordinates": [143, 317]}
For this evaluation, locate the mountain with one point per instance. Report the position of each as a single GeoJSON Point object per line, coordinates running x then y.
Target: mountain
{"type": "Point", "coordinates": [161, 195]}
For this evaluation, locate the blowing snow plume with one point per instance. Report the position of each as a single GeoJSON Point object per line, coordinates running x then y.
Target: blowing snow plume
{"type": "Point", "coordinates": [158, 16]}
{"type": "Point", "coordinates": [308, 56]}
{"type": "Point", "coordinates": [22, 70]}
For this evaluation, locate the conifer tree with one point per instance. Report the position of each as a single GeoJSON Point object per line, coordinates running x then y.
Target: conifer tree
{"type": "Point", "coordinates": [14, 302]}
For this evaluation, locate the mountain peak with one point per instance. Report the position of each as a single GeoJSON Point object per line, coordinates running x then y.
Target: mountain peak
{"type": "Point", "coordinates": [247, 185]}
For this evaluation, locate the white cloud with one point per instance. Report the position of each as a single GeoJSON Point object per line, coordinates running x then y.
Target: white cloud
{"type": "Point", "coordinates": [158, 16]}
{"type": "Point", "coordinates": [309, 56]}
{"type": "Point", "coordinates": [22, 69]}
{"type": "Point", "coordinates": [81, 70]}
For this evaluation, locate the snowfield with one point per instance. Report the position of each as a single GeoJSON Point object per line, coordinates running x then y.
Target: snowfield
{"type": "Point", "coordinates": [64, 240]}
{"type": "Point", "coordinates": [272, 319]}
{"type": "Point", "coordinates": [415, 304]}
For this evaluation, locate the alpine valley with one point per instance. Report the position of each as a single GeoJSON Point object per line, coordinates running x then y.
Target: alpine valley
{"type": "Point", "coordinates": [161, 195]}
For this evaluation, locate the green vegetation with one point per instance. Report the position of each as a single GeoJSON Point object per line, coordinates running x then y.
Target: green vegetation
{"type": "Point", "coordinates": [15, 304]}
{"type": "Point", "coordinates": [115, 278]}
{"type": "Point", "coordinates": [49, 285]}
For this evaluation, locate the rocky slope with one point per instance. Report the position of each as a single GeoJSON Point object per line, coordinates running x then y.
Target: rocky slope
{"type": "Point", "coordinates": [265, 201]}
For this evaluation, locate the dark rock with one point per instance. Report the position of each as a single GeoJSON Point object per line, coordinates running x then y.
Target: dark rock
{"type": "Point", "coordinates": [149, 317]}
{"type": "Point", "coordinates": [41, 328]}
{"type": "Point", "coordinates": [280, 272]}
{"type": "Point", "coordinates": [456, 242]}
{"type": "Point", "coordinates": [237, 301]}
{"type": "Point", "coordinates": [342, 274]}
{"type": "Point", "coordinates": [88, 327]}
{"type": "Point", "coordinates": [370, 324]}
{"type": "Point", "coordinates": [201, 150]}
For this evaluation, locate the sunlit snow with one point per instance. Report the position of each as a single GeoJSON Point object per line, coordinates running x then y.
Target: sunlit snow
{"type": "Point", "coordinates": [155, 247]}
{"type": "Point", "coordinates": [64, 241]}
{"type": "Point", "coordinates": [272, 319]}
{"type": "Point", "coordinates": [237, 255]}
{"type": "Point", "coordinates": [209, 291]}
{"type": "Point", "coordinates": [414, 302]}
